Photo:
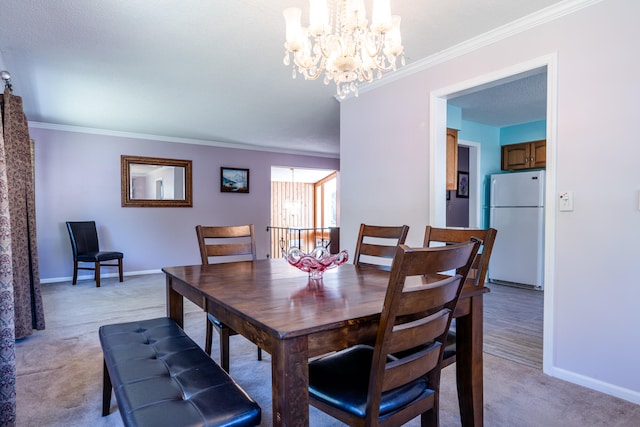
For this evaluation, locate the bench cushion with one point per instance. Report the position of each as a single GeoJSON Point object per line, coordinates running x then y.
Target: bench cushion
{"type": "Point", "coordinates": [161, 377]}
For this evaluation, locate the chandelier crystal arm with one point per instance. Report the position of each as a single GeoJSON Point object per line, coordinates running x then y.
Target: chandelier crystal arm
{"type": "Point", "coordinates": [375, 40]}
{"type": "Point", "coordinates": [310, 68]}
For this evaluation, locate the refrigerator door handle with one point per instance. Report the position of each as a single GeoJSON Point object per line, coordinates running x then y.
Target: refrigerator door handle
{"type": "Point", "coordinates": [492, 193]}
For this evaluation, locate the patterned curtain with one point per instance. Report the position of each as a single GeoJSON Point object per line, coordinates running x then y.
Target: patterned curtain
{"type": "Point", "coordinates": [21, 308]}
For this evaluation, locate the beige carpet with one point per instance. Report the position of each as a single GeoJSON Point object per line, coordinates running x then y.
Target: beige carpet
{"type": "Point", "coordinates": [60, 369]}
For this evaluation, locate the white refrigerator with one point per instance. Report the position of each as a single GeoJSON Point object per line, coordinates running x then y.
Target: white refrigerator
{"type": "Point", "coordinates": [517, 212]}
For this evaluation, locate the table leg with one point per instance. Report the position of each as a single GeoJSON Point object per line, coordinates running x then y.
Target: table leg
{"type": "Point", "coordinates": [290, 382]}
{"type": "Point", "coordinates": [469, 364]}
{"type": "Point", "coordinates": [175, 304]}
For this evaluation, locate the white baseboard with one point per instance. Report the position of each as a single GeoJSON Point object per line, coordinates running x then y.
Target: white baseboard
{"type": "Point", "coordinates": [102, 276]}
{"type": "Point", "coordinates": [594, 384]}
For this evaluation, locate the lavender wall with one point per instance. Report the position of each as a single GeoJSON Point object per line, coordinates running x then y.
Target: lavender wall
{"type": "Point", "coordinates": [78, 178]}
{"type": "Point", "coordinates": [593, 154]}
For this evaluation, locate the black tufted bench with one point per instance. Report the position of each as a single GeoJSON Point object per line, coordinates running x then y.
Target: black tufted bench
{"type": "Point", "coordinates": [161, 377]}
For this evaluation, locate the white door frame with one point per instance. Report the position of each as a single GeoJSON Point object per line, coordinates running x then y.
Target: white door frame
{"type": "Point", "coordinates": [437, 170]}
{"type": "Point", "coordinates": [475, 190]}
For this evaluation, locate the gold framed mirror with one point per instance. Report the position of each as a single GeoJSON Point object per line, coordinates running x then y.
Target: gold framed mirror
{"type": "Point", "coordinates": [152, 182]}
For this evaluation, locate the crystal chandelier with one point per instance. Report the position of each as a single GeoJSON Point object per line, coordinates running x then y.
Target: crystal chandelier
{"type": "Point", "coordinates": [343, 46]}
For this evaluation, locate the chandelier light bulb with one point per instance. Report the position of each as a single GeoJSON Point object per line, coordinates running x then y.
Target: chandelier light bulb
{"type": "Point", "coordinates": [293, 30]}
{"type": "Point", "coordinates": [318, 17]}
{"type": "Point", "coordinates": [394, 39]}
{"type": "Point", "coordinates": [381, 16]}
{"type": "Point", "coordinates": [340, 45]}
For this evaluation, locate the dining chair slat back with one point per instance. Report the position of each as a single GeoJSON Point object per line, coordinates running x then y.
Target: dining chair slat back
{"type": "Point", "coordinates": [376, 245]}
{"type": "Point", "coordinates": [478, 273]}
{"type": "Point", "coordinates": [398, 378]}
{"type": "Point", "coordinates": [218, 241]}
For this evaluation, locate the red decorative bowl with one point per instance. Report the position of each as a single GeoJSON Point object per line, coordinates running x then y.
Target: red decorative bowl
{"type": "Point", "coordinates": [316, 262]}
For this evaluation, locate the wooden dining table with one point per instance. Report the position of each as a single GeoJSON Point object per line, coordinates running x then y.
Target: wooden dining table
{"type": "Point", "coordinates": [293, 318]}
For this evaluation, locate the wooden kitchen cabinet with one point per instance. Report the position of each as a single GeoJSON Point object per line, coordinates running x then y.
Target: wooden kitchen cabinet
{"type": "Point", "coordinates": [452, 159]}
{"type": "Point", "coordinates": [526, 155]}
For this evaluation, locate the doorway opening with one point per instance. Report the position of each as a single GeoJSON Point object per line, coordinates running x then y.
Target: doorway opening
{"type": "Point", "coordinates": [466, 212]}
{"type": "Point", "coordinates": [304, 209]}
{"type": "Point", "coordinates": [437, 205]}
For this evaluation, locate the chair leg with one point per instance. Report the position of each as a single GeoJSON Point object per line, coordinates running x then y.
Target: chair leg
{"type": "Point", "coordinates": [208, 337]}
{"type": "Point", "coordinates": [224, 348]}
{"type": "Point", "coordinates": [106, 390]}
{"type": "Point", "coordinates": [429, 418]}
{"type": "Point", "coordinates": [75, 272]}
{"type": "Point", "coordinates": [120, 268]}
{"type": "Point", "coordinates": [97, 275]}
{"type": "Point", "coordinates": [224, 345]}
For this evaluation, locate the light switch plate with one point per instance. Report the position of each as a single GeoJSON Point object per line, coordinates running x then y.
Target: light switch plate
{"type": "Point", "coordinates": [566, 201]}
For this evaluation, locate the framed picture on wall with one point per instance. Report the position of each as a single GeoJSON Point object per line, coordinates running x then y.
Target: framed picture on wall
{"type": "Point", "coordinates": [234, 180]}
{"type": "Point", "coordinates": [463, 185]}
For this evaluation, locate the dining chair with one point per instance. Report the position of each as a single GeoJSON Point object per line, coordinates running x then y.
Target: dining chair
{"type": "Point", "coordinates": [398, 378]}
{"type": "Point", "coordinates": [377, 244]}
{"type": "Point", "coordinates": [86, 249]}
{"type": "Point", "coordinates": [478, 272]}
{"type": "Point", "coordinates": [224, 244]}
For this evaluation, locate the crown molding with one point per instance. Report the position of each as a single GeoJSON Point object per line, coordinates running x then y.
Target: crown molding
{"type": "Point", "coordinates": [238, 146]}
{"type": "Point", "coordinates": [520, 25]}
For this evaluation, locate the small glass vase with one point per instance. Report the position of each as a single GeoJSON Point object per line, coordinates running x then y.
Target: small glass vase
{"type": "Point", "coordinates": [316, 262]}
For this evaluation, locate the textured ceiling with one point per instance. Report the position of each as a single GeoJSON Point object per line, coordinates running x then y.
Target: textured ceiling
{"type": "Point", "coordinates": [299, 174]}
{"type": "Point", "coordinates": [212, 70]}
{"type": "Point", "coordinates": [519, 101]}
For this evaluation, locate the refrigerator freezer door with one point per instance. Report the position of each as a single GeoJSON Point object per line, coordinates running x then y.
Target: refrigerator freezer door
{"type": "Point", "coordinates": [518, 189]}
{"type": "Point", "coordinates": [518, 251]}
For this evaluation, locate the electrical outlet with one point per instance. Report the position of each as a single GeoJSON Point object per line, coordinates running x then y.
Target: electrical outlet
{"type": "Point", "coordinates": [566, 201]}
